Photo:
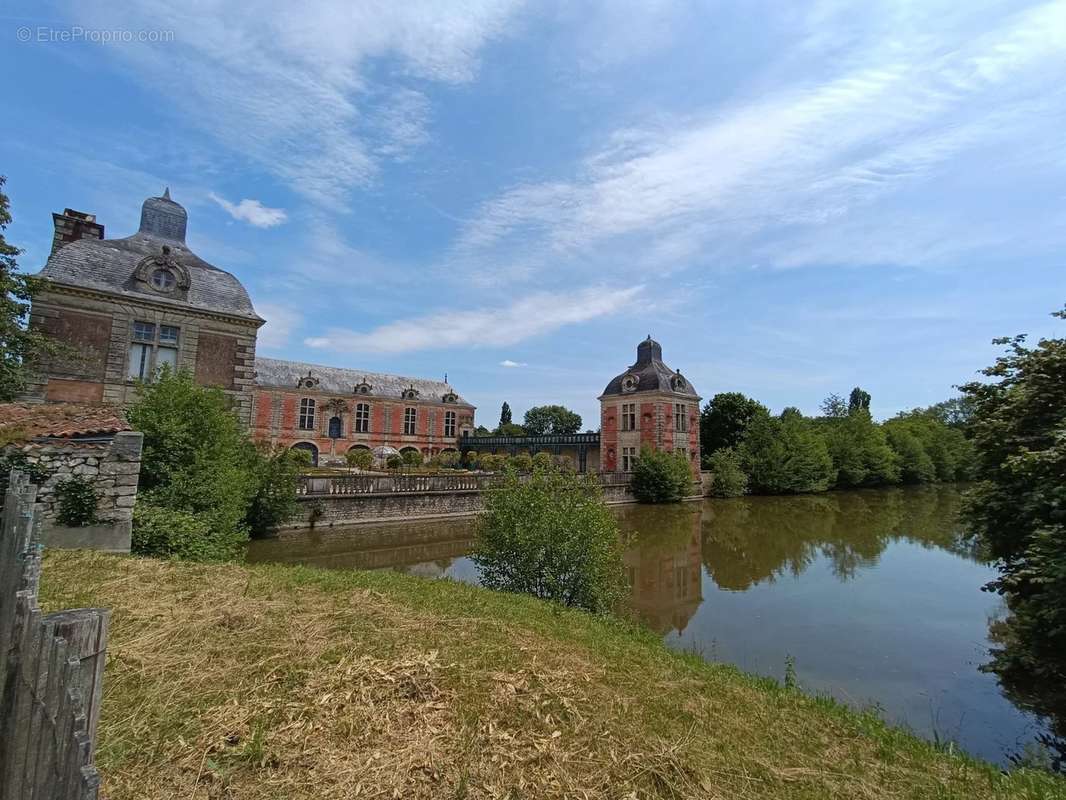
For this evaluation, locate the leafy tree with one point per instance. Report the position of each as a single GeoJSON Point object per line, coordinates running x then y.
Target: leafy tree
{"type": "Point", "coordinates": [859, 449]}
{"type": "Point", "coordinates": [858, 400]}
{"type": "Point", "coordinates": [728, 478]}
{"type": "Point", "coordinates": [551, 536]}
{"type": "Point", "coordinates": [549, 420]}
{"type": "Point", "coordinates": [19, 345]}
{"type": "Point", "coordinates": [481, 430]}
{"type": "Point", "coordinates": [411, 458]}
{"type": "Point", "coordinates": [661, 477]}
{"type": "Point", "coordinates": [359, 458]}
{"type": "Point", "coordinates": [393, 461]}
{"type": "Point", "coordinates": [915, 464]}
{"type": "Point", "coordinates": [834, 406]}
{"type": "Point", "coordinates": [950, 451]}
{"type": "Point", "coordinates": [196, 457]}
{"type": "Point", "coordinates": [510, 429]}
{"type": "Point", "coordinates": [786, 456]}
{"type": "Point", "coordinates": [505, 414]}
{"type": "Point", "coordinates": [1018, 509]}
{"type": "Point", "coordinates": [725, 420]}
{"type": "Point", "coordinates": [955, 413]}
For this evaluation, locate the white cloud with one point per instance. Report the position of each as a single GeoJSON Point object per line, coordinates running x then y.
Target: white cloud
{"type": "Point", "coordinates": [293, 86]}
{"type": "Point", "coordinates": [280, 324]}
{"type": "Point", "coordinates": [511, 364]}
{"type": "Point", "coordinates": [533, 315]}
{"type": "Point", "coordinates": [252, 211]}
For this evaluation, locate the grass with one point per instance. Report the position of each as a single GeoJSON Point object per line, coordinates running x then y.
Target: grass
{"type": "Point", "coordinates": [288, 682]}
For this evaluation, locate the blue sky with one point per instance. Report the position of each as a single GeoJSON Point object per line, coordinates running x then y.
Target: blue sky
{"type": "Point", "coordinates": [793, 198]}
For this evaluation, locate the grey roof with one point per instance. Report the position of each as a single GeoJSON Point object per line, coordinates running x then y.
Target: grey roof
{"type": "Point", "coordinates": [279, 374]}
{"type": "Point", "coordinates": [109, 264]}
{"type": "Point", "coordinates": [652, 374]}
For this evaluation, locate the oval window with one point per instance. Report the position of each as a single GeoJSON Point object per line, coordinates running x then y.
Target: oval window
{"type": "Point", "coordinates": [163, 280]}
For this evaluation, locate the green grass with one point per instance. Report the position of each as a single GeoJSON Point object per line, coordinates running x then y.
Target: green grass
{"type": "Point", "coordinates": [289, 682]}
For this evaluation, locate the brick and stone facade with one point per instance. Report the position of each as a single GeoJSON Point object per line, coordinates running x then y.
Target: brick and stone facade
{"type": "Point", "coordinates": [648, 405]}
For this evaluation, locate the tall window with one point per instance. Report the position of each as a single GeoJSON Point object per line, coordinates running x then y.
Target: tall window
{"type": "Point", "coordinates": [307, 414]}
{"type": "Point", "coordinates": [680, 418]}
{"type": "Point", "coordinates": [629, 416]}
{"type": "Point", "coordinates": [629, 456]}
{"type": "Point", "coordinates": [362, 418]}
{"type": "Point", "coordinates": [449, 423]}
{"type": "Point", "coordinates": [410, 416]}
{"type": "Point", "coordinates": [152, 347]}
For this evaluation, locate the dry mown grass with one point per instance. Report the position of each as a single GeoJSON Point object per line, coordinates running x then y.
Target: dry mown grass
{"type": "Point", "coordinates": [281, 682]}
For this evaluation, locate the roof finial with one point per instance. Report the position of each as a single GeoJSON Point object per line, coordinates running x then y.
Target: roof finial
{"type": "Point", "coordinates": [166, 193]}
{"type": "Point", "coordinates": [445, 377]}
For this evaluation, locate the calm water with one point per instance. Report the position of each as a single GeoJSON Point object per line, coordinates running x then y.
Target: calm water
{"type": "Point", "coordinates": [873, 594]}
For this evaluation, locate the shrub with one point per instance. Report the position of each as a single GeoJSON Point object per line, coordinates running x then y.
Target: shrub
{"type": "Point", "coordinates": [660, 477]}
{"type": "Point", "coordinates": [786, 456]}
{"type": "Point", "coordinates": [470, 458]}
{"type": "Point", "coordinates": [76, 502]}
{"type": "Point", "coordinates": [277, 478]}
{"type": "Point", "coordinates": [449, 460]}
{"type": "Point", "coordinates": [729, 479]}
{"type": "Point", "coordinates": [522, 462]}
{"type": "Point", "coordinates": [15, 459]}
{"type": "Point", "coordinates": [360, 458]}
{"type": "Point", "coordinates": [411, 458]}
{"type": "Point", "coordinates": [542, 461]}
{"type": "Point", "coordinates": [491, 462]}
{"type": "Point", "coordinates": [553, 537]}
{"type": "Point", "coordinates": [393, 461]}
{"type": "Point", "coordinates": [166, 532]}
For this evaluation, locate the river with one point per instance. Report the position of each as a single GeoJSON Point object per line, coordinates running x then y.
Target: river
{"type": "Point", "coordinates": [874, 594]}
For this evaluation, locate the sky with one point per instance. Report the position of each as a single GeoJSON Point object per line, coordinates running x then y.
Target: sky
{"type": "Point", "coordinates": [793, 198]}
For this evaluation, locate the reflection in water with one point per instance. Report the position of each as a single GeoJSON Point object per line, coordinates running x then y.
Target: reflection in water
{"type": "Point", "coordinates": [874, 593]}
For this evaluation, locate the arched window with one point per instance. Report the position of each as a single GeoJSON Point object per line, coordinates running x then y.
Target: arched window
{"type": "Point", "coordinates": [449, 423]}
{"type": "Point", "coordinates": [362, 418]}
{"type": "Point", "coordinates": [307, 414]}
{"type": "Point", "coordinates": [310, 448]}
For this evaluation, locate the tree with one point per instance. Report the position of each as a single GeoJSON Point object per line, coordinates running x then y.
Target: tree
{"type": "Point", "coordinates": [661, 477]}
{"type": "Point", "coordinates": [915, 464]}
{"type": "Point", "coordinates": [196, 457]}
{"type": "Point", "coordinates": [277, 478]}
{"type": "Point", "coordinates": [859, 449]}
{"type": "Point", "coordinates": [481, 430]}
{"type": "Point", "coordinates": [411, 458]}
{"type": "Point", "coordinates": [858, 400]}
{"type": "Point", "coordinates": [1016, 511]}
{"type": "Point", "coordinates": [550, 420]}
{"type": "Point", "coordinates": [20, 346]}
{"type": "Point", "coordinates": [359, 458]}
{"type": "Point", "coordinates": [551, 536]}
{"type": "Point", "coordinates": [728, 478]}
{"type": "Point", "coordinates": [725, 419]}
{"type": "Point", "coordinates": [786, 456]}
{"type": "Point", "coordinates": [834, 406]}
{"type": "Point", "coordinates": [510, 429]}
{"type": "Point", "coordinates": [505, 414]}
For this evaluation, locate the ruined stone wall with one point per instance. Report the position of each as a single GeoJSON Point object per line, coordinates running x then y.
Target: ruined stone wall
{"type": "Point", "coordinates": [113, 468]}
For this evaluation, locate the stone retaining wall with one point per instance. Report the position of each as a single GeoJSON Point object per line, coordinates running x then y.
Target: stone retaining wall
{"type": "Point", "coordinates": [113, 465]}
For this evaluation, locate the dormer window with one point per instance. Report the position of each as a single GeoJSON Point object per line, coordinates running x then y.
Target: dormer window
{"type": "Point", "coordinates": [363, 387]}
{"type": "Point", "coordinates": [307, 382]}
{"type": "Point", "coordinates": [678, 383]}
{"type": "Point", "coordinates": [450, 397]}
{"type": "Point", "coordinates": [629, 383]}
{"type": "Point", "coordinates": [410, 393]}
{"type": "Point", "coordinates": [163, 280]}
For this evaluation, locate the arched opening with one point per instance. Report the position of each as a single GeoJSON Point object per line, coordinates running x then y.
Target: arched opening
{"type": "Point", "coordinates": [358, 447]}
{"type": "Point", "coordinates": [336, 428]}
{"type": "Point", "coordinates": [310, 448]}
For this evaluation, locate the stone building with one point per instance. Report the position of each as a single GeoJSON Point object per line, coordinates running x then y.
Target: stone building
{"type": "Point", "coordinates": [329, 410]}
{"type": "Point", "coordinates": [648, 405]}
{"type": "Point", "coordinates": [128, 306]}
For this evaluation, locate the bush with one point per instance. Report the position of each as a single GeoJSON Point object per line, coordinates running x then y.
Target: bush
{"type": "Point", "coordinates": [167, 532]}
{"type": "Point", "coordinates": [411, 458]}
{"type": "Point", "coordinates": [277, 478]}
{"type": "Point", "coordinates": [660, 477]}
{"type": "Point", "coordinates": [728, 479]}
{"type": "Point", "coordinates": [522, 462]}
{"type": "Point", "coordinates": [449, 460]}
{"type": "Point", "coordinates": [492, 462]}
{"type": "Point", "coordinates": [360, 458]}
{"type": "Point", "coordinates": [543, 461]}
{"type": "Point", "coordinates": [470, 459]}
{"type": "Point", "coordinates": [76, 502]}
{"type": "Point", "coordinates": [393, 461]}
{"type": "Point", "coordinates": [553, 537]}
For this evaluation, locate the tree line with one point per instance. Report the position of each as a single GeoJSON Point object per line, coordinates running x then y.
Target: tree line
{"type": "Point", "coordinates": [539, 421]}
{"type": "Point", "coordinates": [749, 449]}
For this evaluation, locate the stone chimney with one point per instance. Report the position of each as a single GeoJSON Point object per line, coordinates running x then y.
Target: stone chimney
{"type": "Point", "coordinates": [72, 225]}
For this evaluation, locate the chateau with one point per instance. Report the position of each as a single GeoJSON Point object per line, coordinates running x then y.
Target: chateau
{"type": "Point", "coordinates": [127, 307]}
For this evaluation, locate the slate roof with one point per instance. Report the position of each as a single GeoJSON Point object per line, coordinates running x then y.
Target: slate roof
{"type": "Point", "coordinates": [275, 373]}
{"type": "Point", "coordinates": [108, 264]}
{"type": "Point", "coordinates": [25, 421]}
{"type": "Point", "coordinates": [651, 373]}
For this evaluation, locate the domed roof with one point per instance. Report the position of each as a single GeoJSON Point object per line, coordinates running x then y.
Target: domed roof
{"type": "Point", "coordinates": [163, 218]}
{"type": "Point", "coordinates": [650, 374]}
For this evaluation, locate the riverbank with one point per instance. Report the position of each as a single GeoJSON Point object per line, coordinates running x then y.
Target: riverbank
{"type": "Point", "coordinates": [276, 681]}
